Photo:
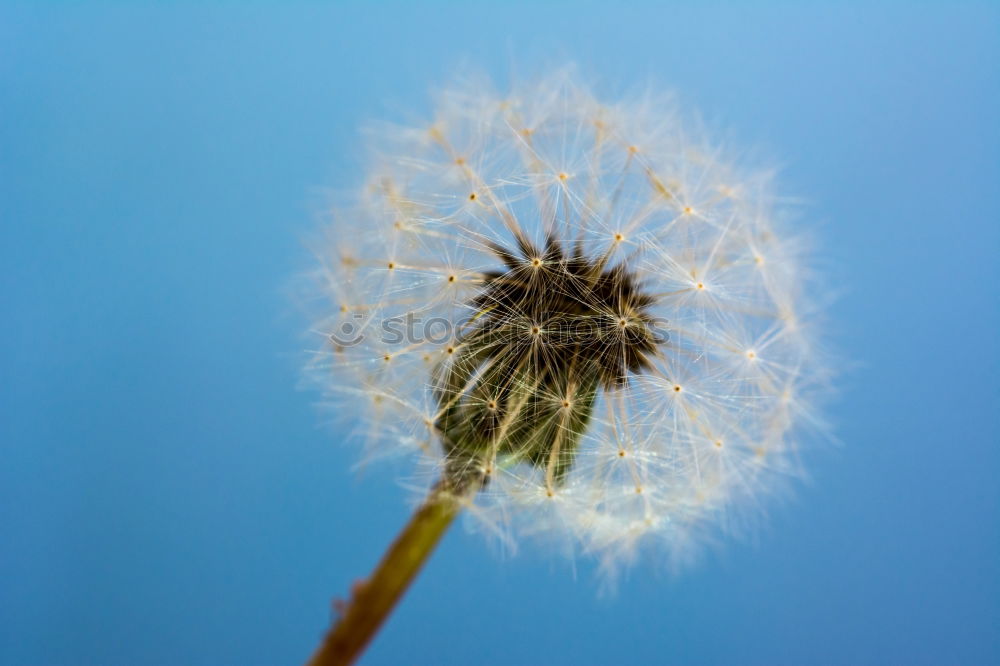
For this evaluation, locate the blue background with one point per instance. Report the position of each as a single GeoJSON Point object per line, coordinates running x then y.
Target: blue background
{"type": "Point", "coordinates": [167, 496]}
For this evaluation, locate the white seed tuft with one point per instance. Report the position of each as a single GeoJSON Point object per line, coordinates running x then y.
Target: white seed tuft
{"type": "Point", "coordinates": [691, 442]}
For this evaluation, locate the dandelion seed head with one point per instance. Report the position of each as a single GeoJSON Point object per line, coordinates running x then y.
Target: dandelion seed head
{"type": "Point", "coordinates": [618, 365]}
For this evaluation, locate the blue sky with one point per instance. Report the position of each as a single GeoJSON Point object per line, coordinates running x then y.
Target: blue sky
{"type": "Point", "coordinates": [167, 496]}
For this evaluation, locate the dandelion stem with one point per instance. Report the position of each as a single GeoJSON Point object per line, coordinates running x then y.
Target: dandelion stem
{"type": "Point", "coordinates": [374, 598]}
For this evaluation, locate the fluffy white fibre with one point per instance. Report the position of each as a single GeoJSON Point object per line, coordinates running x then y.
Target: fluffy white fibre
{"type": "Point", "coordinates": [683, 451]}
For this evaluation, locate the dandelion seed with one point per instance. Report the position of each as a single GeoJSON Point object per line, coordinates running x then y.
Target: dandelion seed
{"type": "Point", "coordinates": [593, 389]}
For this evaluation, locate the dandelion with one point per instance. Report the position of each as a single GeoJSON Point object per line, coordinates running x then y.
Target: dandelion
{"type": "Point", "coordinates": [623, 360]}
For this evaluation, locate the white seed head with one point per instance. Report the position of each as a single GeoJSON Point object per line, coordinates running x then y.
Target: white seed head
{"type": "Point", "coordinates": [579, 308]}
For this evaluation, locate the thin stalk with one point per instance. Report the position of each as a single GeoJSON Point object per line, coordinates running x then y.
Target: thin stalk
{"type": "Point", "coordinates": [375, 598]}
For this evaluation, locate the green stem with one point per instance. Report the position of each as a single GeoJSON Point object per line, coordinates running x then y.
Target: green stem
{"type": "Point", "coordinates": [375, 598]}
